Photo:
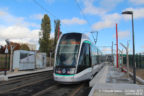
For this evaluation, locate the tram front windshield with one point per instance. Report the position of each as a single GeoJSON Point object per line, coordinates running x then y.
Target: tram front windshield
{"type": "Point", "coordinates": [68, 49]}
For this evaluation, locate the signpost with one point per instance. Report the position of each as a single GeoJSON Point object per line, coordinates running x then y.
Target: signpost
{"type": "Point", "coordinates": [6, 63]}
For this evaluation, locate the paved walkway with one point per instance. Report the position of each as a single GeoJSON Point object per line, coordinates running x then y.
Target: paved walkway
{"type": "Point", "coordinates": [110, 81]}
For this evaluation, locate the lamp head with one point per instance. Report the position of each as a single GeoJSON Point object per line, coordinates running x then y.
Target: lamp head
{"type": "Point", "coordinates": [7, 41]}
{"type": "Point", "coordinates": [127, 12]}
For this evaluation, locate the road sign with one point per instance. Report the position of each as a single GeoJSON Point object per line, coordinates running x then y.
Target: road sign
{"type": "Point", "coordinates": [6, 50]}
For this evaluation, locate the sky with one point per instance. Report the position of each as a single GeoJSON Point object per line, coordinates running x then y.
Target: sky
{"type": "Point", "coordinates": [20, 20]}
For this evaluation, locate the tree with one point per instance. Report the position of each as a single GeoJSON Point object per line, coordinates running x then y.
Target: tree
{"type": "Point", "coordinates": [57, 28]}
{"type": "Point", "coordinates": [52, 44]}
{"type": "Point", "coordinates": [24, 47]}
{"type": "Point", "coordinates": [44, 40]}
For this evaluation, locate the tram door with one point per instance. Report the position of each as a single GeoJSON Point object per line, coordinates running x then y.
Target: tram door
{"type": "Point", "coordinates": [84, 61]}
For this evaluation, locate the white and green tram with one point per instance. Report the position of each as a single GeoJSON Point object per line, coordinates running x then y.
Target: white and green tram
{"type": "Point", "coordinates": [76, 58]}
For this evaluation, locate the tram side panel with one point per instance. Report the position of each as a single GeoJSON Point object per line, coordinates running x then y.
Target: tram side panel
{"type": "Point", "coordinates": [84, 65]}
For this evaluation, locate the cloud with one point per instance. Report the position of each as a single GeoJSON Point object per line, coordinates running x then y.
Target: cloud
{"type": "Point", "coordinates": [102, 24]}
{"type": "Point", "coordinates": [2, 42]}
{"type": "Point", "coordinates": [106, 50]}
{"type": "Point", "coordinates": [50, 1]}
{"type": "Point", "coordinates": [91, 9]}
{"type": "Point", "coordinates": [138, 13]}
{"type": "Point", "coordinates": [16, 32]}
{"type": "Point", "coordinates": [122, 34]}
{"type": "Point", "coordinates": [37, 16]}
{"type": "Point", "coordinates": [137, 2]}
{"type": "Point", "coordinates": [109, 4]}
{"type": "Point", "coordinates": [19, 34]}
{"type": "Point", "coordinates": [17, 29]}
{"type": "Point", "coordinates": [105, 6]}
{"type": "Point", "coordinates": [142, 46]}
{"type": "Point", "coordinates": [7, 19]}
{"type": "Point", "coordinates": [107, 21]}
{"type": "Point", "coordinates": [74, 20]}
{"type": "Point", "coordinates": [52, 35]}
{"type": "Point", "coordinates": [2, 13]}
{"type": "Point", "coordinates": [88, 34]}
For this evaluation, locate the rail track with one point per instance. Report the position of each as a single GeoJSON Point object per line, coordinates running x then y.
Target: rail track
{"type": "Point", "coordinates": [41, 84]}
{"type": "Point", "coordinates": [81, 89]}
{"type": "Point", "coordinates": [26, 81]}
{"type": "Point", "coordinates": [25, 77]}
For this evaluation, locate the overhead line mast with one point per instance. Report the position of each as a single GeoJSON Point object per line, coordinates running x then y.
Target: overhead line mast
{"type": "Point", "coordinates": [95, 38]}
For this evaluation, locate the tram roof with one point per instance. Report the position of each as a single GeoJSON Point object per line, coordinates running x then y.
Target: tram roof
{"type": "Point", "coordinates": [84, 36]}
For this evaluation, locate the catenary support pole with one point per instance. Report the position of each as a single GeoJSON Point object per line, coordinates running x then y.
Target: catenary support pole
{"type": "Point", "coordinates": [117, 45]}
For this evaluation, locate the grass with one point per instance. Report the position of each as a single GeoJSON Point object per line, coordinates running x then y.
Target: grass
{"type": "Point", "coordinates": [139, 72]}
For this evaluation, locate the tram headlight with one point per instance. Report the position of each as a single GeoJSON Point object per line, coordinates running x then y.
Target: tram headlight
{"type": "Point", "coordinates": [71, 71]}
{"type": "Point", "coordinates": [58, 71]}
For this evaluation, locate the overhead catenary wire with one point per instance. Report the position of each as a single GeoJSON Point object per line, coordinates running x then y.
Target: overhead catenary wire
{"type": "Point", "coordinates": [47, 11]}
{"type": "Point", "coordinates": [82, 13]}
{"type": "Point", "coordinates": [95, 39]}
{"type": "Point", "coordinates": [41, 6]}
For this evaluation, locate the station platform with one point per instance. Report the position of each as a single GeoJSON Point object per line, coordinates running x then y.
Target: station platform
{"type": "Point", "coordinates": [20, 73]}
{"type": "Point", "coordinates": [111, 81]}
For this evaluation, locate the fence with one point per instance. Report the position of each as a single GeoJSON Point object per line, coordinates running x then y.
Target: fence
{"type": "Point", "coordinates": [4, 62]}
{"type": "Point", "coordinates": [139, 60]}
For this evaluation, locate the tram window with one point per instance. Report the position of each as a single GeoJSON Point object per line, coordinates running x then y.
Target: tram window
{"type": "Point", "coordinates": [87, 55]}
{"type": "Point", "coordinates": [68, 50]}
{"type": "Point", "coordinates": [93, 55]}
{"type": "Point", "coordinates": [97, 57]}
{"type": "Point", "coordinates": [84, 60]}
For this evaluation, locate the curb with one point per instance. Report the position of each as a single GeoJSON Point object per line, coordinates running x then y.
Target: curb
{"type": "Point", "coordinates": [3, 78]}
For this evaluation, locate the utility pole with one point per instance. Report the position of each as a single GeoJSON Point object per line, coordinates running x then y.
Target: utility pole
{"type": "Point", "coordinates": [121, 51]}
{"type": "Point", "coordinates": [126, 48]}
{"type": "Point", "coordinates": [11, 52]}
{"type": "Point", "coordinates": [11, 57]}
{"type": "Point", "coordinates": [35, 59]}
{"type": "Point", "coordinates": [112, 55]}
{"type": "Point", "coordinates": [117, 45]}
{"type": "Point", "coordinates": [50, 58]}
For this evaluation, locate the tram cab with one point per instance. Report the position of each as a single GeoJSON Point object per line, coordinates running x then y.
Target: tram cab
{"type": "Point", "coordinates": [73, 59]}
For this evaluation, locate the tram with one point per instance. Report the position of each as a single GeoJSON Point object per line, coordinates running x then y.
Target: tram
{"type": "Point", "coordinates": [76, 58]}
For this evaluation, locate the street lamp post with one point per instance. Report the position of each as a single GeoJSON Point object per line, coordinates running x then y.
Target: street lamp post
{"type": "Point", "coordinates": [134, 65]}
